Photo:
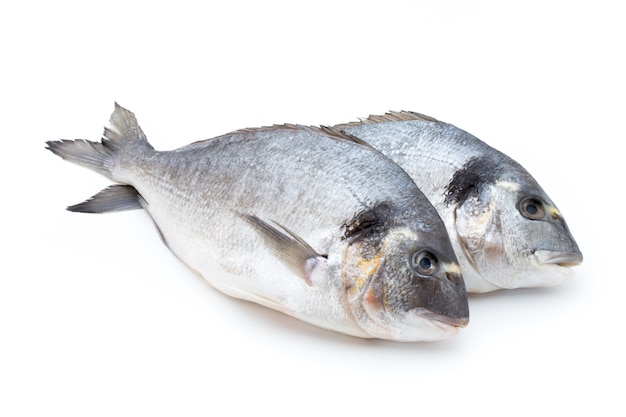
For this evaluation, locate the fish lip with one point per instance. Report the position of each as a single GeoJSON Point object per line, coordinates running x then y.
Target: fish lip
{"type": "Point", "coordinates": [565, 259]}
{"type": "Point", "coordinates": [457, 322]}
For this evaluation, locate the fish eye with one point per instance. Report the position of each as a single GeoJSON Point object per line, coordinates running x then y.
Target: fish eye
{"type": "Point", "coordinates": [424, 262]}
{"type": "Point", "coordinates": [532, 208]}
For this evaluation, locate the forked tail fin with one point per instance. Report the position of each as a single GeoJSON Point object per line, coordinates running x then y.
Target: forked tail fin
{"type": "Point", "coordinates": [124, 138]}
{"type": "Point", "coordinates": [121, 142]}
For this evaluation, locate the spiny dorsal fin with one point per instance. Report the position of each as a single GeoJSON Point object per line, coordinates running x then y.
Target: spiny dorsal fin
{"type": "Point", "coordinates": [392, 116]}
{"type": "Point", "coordinates": [336, 132]}
{"type": "Point", "coordinates": [324, 130]}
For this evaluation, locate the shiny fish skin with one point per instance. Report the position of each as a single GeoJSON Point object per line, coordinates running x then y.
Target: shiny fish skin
{"type": "Point", "coordinates": [303, 220]}
{"type": "Point", "coordinates": [506, 231]}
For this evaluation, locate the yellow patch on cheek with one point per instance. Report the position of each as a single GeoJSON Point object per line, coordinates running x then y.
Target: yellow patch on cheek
{"type": "Point", "coordinates": [369, 266]}
{"type": "Point", "coordinates": [363, 271]}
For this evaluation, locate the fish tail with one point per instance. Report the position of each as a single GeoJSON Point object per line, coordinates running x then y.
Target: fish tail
{"type": "Point", "coordinates": [121, 144]}
{"type": "Point", "coordinates": [123, 139]}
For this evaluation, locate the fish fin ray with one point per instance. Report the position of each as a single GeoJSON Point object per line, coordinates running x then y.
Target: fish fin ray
{"type": "Point", "coordinates": [392, 116]}
{"type": "Point", "coordinates": [113, 198]}
{"type": "Point", "coordinates": [328, 131]}
{"type": "Point", "coordinates": [124, 137]}
{"type": "Point", "coordinates": [291, 249]}
{"type": "Point", "coordinates": [89, 154]}
{"type": "Point", "coordinates": [332, 131]}
{"type": "Point", "coordinates": [124, 131]}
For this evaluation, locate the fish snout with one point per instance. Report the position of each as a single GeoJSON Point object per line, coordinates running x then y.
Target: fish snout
{"type": "Point", "coordinates": [566, 259]}
{"type": "Point", "coordinates": [452, 308]}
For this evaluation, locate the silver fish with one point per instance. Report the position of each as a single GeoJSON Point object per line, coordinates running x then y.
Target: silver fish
{"type": "Point", "coordinates": [303, 220]}
{"type": "Point", "coordinates": [506, 231]}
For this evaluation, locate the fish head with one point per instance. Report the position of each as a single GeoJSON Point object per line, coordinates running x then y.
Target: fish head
{"type": "Point", "coordinates": [512, 235]}
{"type": "Point", "coordinates": [405, 284]}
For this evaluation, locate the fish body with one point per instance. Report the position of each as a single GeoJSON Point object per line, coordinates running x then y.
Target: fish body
{"type": "Point", "coordinates": [507, 233]}
{"type": "Point", "coordinates": [303, 220]}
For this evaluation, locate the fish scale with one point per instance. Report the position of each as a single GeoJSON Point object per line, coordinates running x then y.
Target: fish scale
{"type": "Point", "coordinates": [287, 216]}
{"type": "Point", "coordinates": [479, 192]}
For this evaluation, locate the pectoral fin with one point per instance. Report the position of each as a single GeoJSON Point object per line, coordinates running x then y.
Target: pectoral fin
{"type": "Point", "coordinates": [292, 250]}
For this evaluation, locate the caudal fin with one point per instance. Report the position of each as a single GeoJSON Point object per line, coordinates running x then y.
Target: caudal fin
{"type": "Point", "coordinates": [113, 198]}
{"type": "Point", "coordinates": [121, 142]}
{"type": "Point", "coordinates": [124, 138]}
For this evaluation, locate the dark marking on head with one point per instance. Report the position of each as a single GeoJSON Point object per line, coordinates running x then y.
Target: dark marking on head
{"type": "Point", "coordinates": [470, 179]}
{"type": "Point", "coordinates": [367, 222]}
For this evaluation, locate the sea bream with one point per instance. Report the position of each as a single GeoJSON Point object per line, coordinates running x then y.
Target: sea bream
{"type": "Point", "coordinates": [506, 231]}
{"type": "Point", "coordinates": [304, 220]}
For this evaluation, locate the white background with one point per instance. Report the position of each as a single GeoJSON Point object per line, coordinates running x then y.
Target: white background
{"type": "Point", "coordinates": [98, 318]}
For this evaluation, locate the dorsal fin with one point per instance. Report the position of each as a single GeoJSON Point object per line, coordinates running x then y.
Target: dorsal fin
{"type": "Point", "coordinates": [392, 116]}
{"type": "Point", "coordinates": [336, 131]}
{"type": "Point", "coordinates": [331, 131]}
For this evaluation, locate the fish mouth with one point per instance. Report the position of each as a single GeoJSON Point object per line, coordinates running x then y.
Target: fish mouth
{"type": "Point", "coordinates": [565, 259]}
{"type": "Point", "coordinates": [457, 322]}
{"type": "Point", "coordinates": [425, 326]}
